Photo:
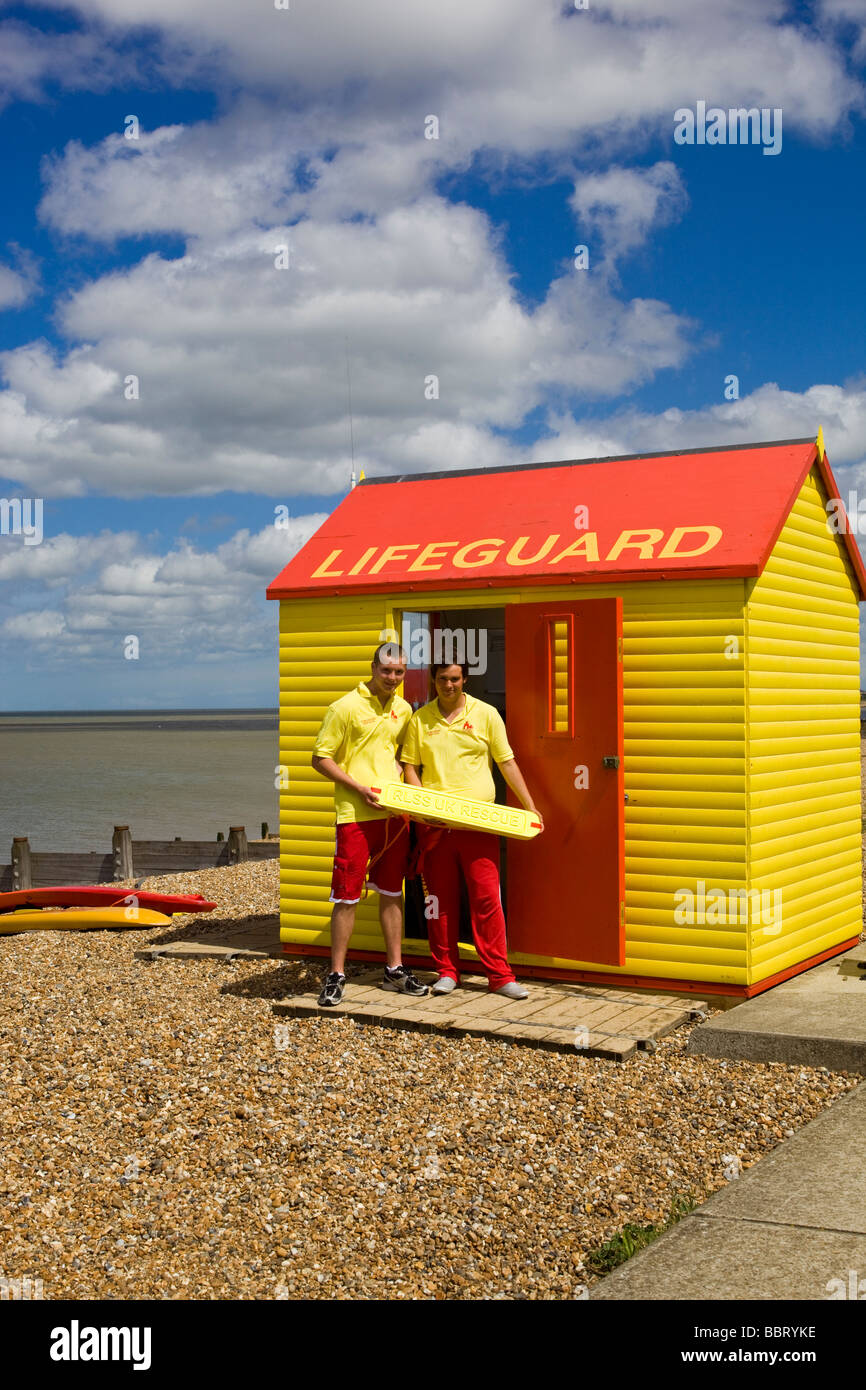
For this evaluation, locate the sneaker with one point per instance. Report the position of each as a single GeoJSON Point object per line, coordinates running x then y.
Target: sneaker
{"type": "Point", "coordinates": [402, 981]}
{"type": "Point", "coordinates": [332, 990]}
{"type": "Point", "coordinates": [512, 991]}
{"type": "Point", "coordinates": [444, 985]}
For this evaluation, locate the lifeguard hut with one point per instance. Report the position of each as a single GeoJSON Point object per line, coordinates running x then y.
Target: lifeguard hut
{"type": "Point", "coordinates": [674, 642]}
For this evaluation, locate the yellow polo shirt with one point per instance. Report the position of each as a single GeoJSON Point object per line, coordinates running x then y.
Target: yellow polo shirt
{"type": "Point", "coordinates": [457, 757]}
{"type": "Point", "coordinates": [364, 738]}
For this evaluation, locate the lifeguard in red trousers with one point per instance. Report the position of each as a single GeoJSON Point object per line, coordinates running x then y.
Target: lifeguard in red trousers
{"type": "Point", "coordinates": [358, 747]}
{"type": "Point", "coordinates": [450, 745]}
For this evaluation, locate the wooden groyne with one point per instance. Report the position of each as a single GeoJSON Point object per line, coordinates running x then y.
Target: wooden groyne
{"type": "Point", "coordinates": [129, 858]}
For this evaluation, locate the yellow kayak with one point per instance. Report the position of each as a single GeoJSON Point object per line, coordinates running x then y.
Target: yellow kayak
{"type": "Point", "coordinates": [462, 812]}
{"type": "Point", "coordinates": [81, 919]}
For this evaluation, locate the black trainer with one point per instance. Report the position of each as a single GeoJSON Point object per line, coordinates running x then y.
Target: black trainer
{"type": "Point", "coordinates": [332, 990]}
{"type": "Point", "coordinates": [402, 981]}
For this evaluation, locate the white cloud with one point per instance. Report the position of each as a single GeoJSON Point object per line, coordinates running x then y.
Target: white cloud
{"type": "Point", "coordinates": [518, 75]}
{"type": "Point", "coordinates": [242, 371]}
{"type": "Point", "coordinates": [32, 61]}
{"type": "Point", "coordinates": [622, 205]}
{"type": "Point", "coordinates": [768, 413]}
{"type": "Point", "coordinates": [60, 558]}
{"type": "Point", "coordinates": [188, 603]}
{"type": "Point", "coordinates": [62, 388]}
{"type": "Point", "coordinates": [847, 14]}
{"type": "Point", "coordinates": [37, 625]}
{"type": "Point", "coordinates": [207, 180]}
{"type": "Point", "coordinates": [15, 288]}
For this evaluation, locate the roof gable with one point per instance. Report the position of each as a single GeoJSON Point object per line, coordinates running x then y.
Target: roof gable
{"type": "Point", "coordinates": [711, 513]}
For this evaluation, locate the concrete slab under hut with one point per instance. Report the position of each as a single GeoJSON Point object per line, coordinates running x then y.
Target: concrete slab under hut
{"type": "Point", "coordinates": [254, 940]}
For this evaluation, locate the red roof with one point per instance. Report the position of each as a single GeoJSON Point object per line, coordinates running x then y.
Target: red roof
{"type": "Point", "coordinates": [711, 514]}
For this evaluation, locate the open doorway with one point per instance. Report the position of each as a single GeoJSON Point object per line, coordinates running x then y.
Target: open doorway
{"type": "Point", "coordinates": [476, 636]}
{"type": "Point", "coordinates": [560, 665]}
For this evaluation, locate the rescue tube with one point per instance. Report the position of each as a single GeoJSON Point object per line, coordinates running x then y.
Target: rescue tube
{"type": "Point", "coordinates": [459, 811]}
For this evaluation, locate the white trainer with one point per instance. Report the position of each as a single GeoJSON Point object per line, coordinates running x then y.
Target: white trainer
{"type": "Point", "coordinates": [444, 985]}
{"type": "Point", "coordinates": [513, 991]}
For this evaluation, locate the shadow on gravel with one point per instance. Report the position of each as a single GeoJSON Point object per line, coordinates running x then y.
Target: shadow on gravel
{"type": "Point", "coordinates": [194, 928]}
{"type": "Point", "coordinates": [298, 976]}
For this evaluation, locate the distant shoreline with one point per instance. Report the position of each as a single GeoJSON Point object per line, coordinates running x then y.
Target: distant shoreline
{"type": "Point", "coordinates": [120, 713]}
{"type": "Point", "coordinates": [168, 721]}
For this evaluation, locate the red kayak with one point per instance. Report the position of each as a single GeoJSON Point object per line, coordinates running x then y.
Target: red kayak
{"type": "Point", "coordinates": [106, 896]}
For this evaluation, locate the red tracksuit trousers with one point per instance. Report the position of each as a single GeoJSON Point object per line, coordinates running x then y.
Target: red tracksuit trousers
{"type": "Point", "coordinates": [476, 854]}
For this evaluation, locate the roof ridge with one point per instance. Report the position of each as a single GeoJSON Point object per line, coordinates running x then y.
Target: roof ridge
{"type": "Point", "coordinates": [577, 463]}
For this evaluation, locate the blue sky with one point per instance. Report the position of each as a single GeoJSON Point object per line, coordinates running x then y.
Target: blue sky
{"type": "Point", "coordinates": [155, 257]}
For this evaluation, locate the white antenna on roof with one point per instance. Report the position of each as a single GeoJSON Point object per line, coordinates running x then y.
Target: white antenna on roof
{"type": "Point", "coordinates": [351, 423]}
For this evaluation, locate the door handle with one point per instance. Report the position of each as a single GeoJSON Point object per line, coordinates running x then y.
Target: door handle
{"type": "Point", "coordinates": [611, 760]}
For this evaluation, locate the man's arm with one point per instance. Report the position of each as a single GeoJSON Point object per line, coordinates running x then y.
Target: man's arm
{"type": "Point", "coordinates": [411, 777]}
{"type": "Point", "coordinates": [326, 767]}
{"type": "Point", "coordinates": [514, 777]}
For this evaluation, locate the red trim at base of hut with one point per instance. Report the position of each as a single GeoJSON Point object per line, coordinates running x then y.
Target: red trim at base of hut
{"type": "Point", "coordinates": [600, 977]}
{"type": "Point", "coordinates": [798, 969]}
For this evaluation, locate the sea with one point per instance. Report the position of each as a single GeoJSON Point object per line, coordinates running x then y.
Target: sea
{"type": "Point", "coordinates": [67, 778]}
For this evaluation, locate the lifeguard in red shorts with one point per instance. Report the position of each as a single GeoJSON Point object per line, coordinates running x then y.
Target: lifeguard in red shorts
{"type": "Point", "coordinates": [450, 745]}
{"type": "Point", "coordinates": [357, 747]}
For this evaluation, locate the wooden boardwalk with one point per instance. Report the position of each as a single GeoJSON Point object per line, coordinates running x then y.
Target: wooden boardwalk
{"type": "Point", "coordinates": [595, 1021]}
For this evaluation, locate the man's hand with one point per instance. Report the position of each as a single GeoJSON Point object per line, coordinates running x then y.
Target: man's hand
{"type": "Point", "coordinates": [537, 814]}
{"type": "Point", "coordinates": [369, 795]}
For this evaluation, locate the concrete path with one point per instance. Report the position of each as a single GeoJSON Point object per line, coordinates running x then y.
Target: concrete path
{"type": "Point", "coordinates": [818, 1019]}
{"type": "Point", "coordinates": [792, 1227]}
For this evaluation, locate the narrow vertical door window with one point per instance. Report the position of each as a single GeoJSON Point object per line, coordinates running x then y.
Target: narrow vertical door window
{"type": "Point", "coordinates": [559, 650]}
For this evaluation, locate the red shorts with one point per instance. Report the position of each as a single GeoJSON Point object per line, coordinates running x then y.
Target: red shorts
{"type": "Point", "coordinates": [358, 842]}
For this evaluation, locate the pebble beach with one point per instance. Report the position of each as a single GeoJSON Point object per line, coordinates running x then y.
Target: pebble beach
{"type": "Point", "coordinates": [164, 1137]}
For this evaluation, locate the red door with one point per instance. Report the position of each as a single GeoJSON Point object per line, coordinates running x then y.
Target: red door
{"type": "Point", "coordinates": [563, 683]}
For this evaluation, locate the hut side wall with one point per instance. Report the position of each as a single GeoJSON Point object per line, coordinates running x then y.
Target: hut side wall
{"type": "Point", "coordinates": [803, 729]}
{"type": "Point", "coordinates": [685, 776]}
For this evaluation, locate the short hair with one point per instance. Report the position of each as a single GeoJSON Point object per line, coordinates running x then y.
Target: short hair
{"type": "Point", "coordinates": [442, 665]}
{"type": "Point", "coordinates": [390, 651]}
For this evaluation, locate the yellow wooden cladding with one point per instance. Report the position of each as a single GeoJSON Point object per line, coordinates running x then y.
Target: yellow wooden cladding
{"type": "Point", "coordinates": [803, 734]}
{"type": "Point", "coordinates": [325, 649]}
{"type": "Point", "coordinates": [742, 757]}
